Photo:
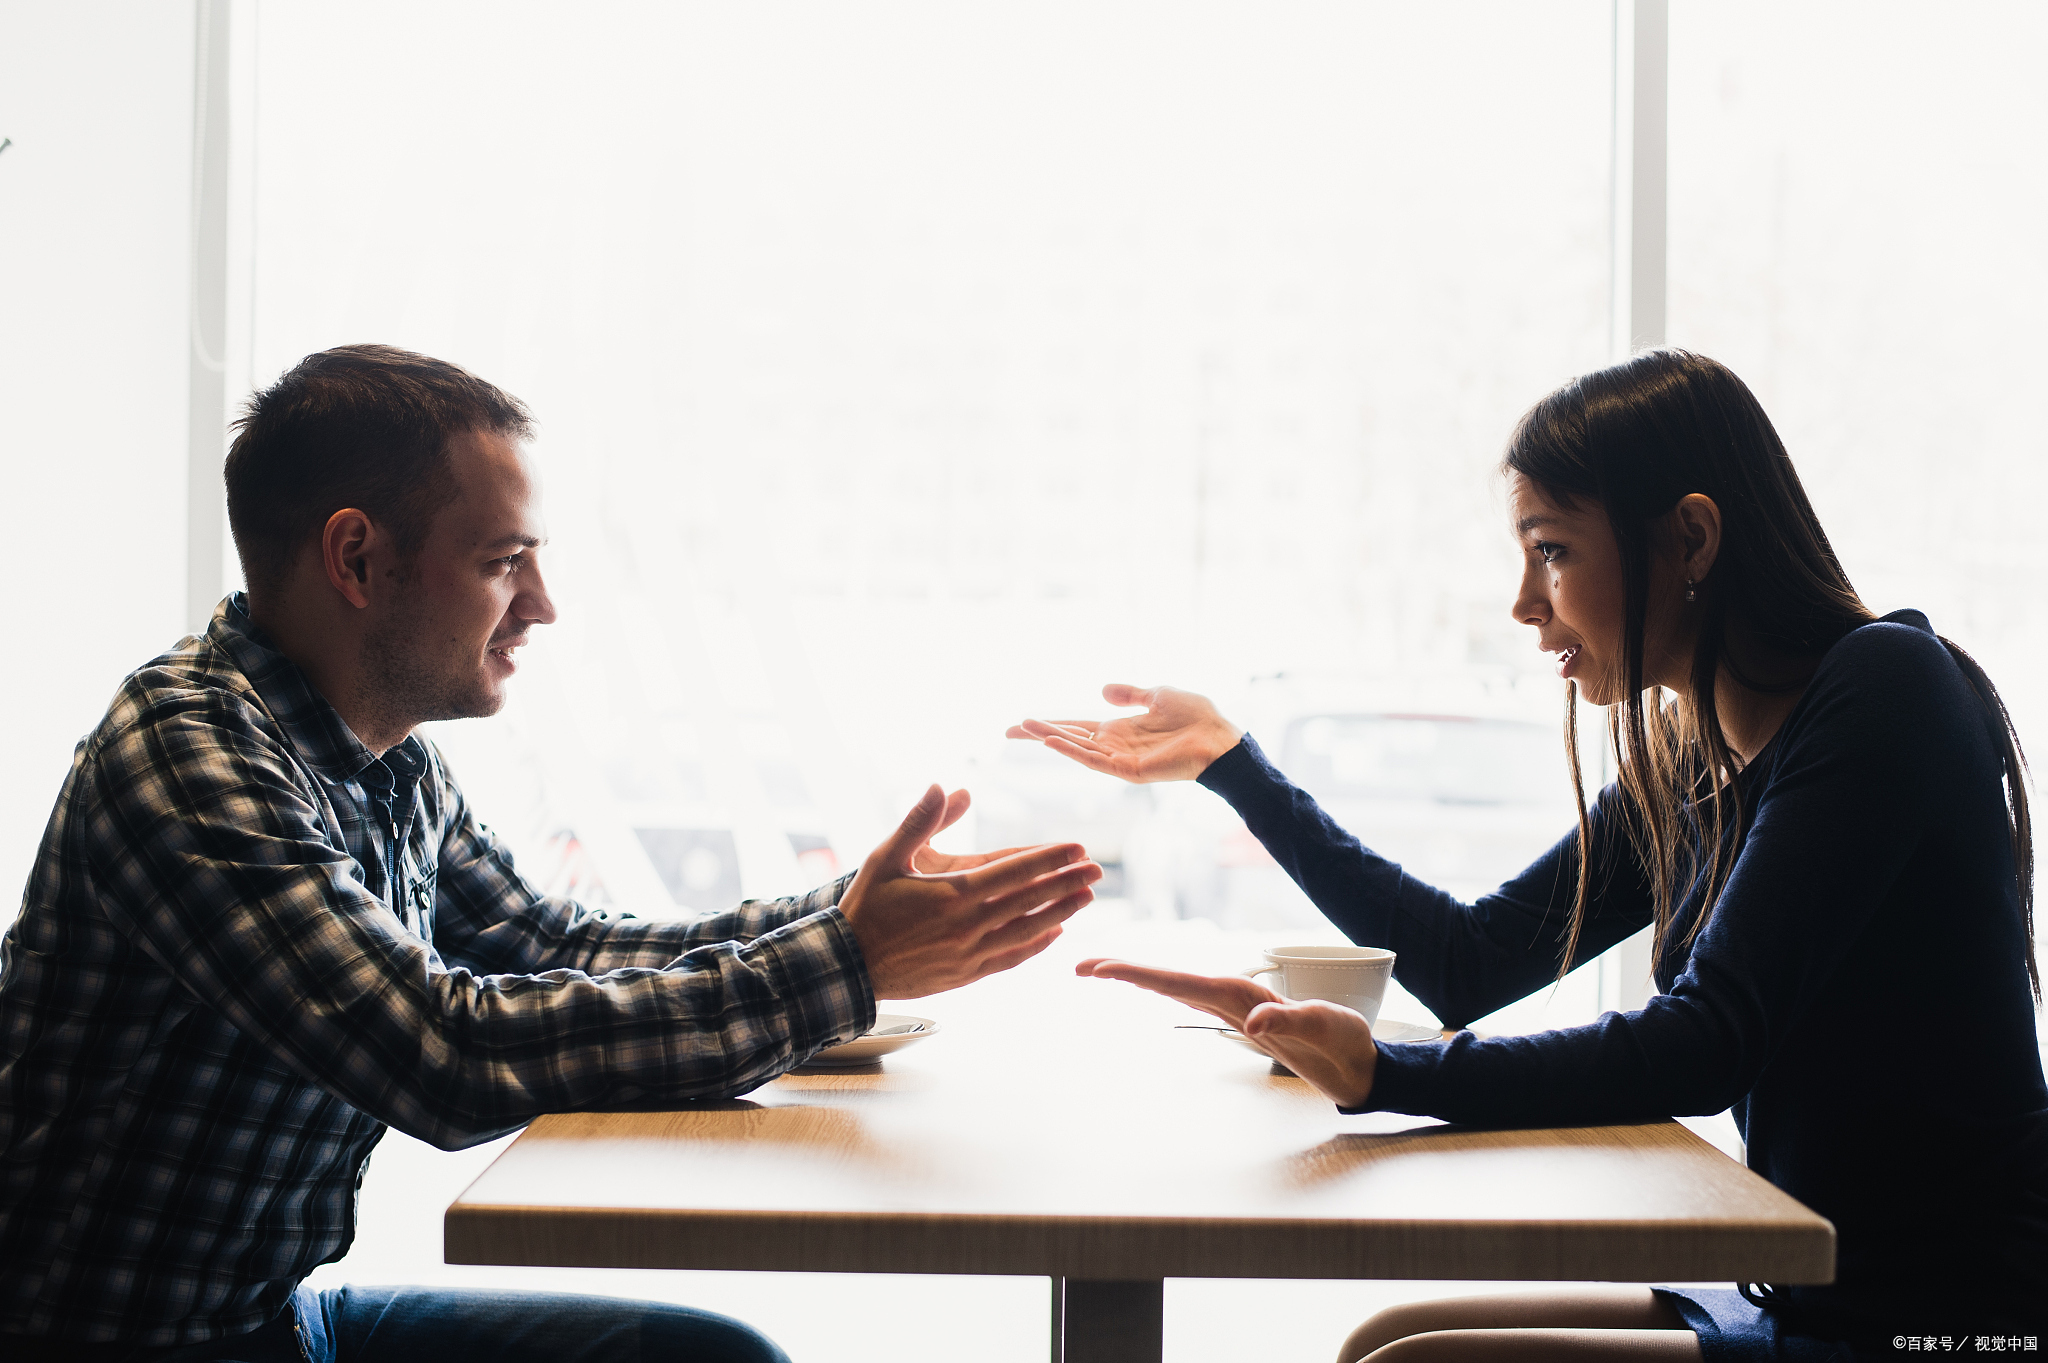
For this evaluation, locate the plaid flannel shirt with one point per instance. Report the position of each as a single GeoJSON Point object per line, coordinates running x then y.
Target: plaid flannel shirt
{"type": "Point", "coordinates": [249, 945]}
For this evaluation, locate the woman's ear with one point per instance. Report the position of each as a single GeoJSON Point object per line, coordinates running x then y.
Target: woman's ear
{"type": "Point", "coordinates": [1696, 523]}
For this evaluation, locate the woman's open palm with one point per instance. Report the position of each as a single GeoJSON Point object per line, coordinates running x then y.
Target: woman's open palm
{"type": "Point", "coordinates": [1327, 1044]}
{"type": "Point", "coordinates": [1175, 739]}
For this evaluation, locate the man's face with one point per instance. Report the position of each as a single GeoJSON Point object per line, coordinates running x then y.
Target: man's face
{"type": "Point", "coordinates": [444, 648]}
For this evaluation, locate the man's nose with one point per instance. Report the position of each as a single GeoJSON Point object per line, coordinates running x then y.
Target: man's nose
{"type": "Point", "coordinates": [534, 604]}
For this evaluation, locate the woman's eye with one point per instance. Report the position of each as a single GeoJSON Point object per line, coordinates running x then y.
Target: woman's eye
{"type": "Point", "coordinates": [1551, 552]}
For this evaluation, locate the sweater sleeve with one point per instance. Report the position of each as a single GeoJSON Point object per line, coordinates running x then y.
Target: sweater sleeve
{"type": "Point", "coordinates": [1855, 780]}
{"type": "Point", "coordinates": [1462, 960]}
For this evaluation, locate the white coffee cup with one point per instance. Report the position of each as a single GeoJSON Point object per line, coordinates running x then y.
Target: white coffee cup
{"type": "Point", "coordinates": [1355, 977]}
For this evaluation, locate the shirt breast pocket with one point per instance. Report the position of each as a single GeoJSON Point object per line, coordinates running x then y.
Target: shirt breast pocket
{"type": "Point", "coordinates": [421, 887]}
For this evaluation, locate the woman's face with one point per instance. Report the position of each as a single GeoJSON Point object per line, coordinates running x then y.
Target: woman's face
{"type": "Point", "coordinates": [1571, 588]}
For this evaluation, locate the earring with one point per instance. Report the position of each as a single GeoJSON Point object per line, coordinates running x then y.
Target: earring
{"type": "Point", "coordinates": [1690, 594]}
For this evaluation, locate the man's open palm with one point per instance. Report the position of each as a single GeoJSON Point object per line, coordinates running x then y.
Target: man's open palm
{"type": "Point", "coordinates": [926, 933]}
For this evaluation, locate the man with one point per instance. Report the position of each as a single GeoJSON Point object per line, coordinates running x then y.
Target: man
{"type": "Point", "coordinates": [264, 925]}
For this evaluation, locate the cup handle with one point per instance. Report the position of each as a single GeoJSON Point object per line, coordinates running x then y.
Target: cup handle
{"type": "Point", "coordinates": [1261, 970]}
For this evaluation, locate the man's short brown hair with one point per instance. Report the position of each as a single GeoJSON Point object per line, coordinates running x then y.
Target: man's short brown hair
{"type": "Point", "coordinates": [364, 426]}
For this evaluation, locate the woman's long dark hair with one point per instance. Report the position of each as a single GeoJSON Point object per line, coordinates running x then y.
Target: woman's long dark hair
{"type": "Point", "coordinates": [1635, 438]}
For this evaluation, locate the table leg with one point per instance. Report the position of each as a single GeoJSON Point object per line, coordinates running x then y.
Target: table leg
{"type": "Point", "coordinates": [1099, 1321]}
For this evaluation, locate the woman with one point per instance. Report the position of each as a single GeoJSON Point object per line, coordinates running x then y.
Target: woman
{"type": "Point", "coordinates": [1827, 827]}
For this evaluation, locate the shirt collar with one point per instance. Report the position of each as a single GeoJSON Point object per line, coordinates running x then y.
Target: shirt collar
{"type": "Point", "coordinates": [313, 727]}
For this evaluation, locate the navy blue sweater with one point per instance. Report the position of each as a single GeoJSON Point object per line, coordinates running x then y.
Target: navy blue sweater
{"type": "Point", "coordinates": [1859, 995]}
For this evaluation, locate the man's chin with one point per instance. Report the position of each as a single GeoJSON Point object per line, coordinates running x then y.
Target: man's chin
{"type": "Point", "coordinates": [479, 704]}
{"type": "Point", "coordinates": [413, 685]}
{"type": "Point", "coordinates": [485, 703]}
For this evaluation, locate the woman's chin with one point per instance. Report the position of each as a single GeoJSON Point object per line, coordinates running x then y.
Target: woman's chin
{"type": "Point", "coordinates": [1596, 692]}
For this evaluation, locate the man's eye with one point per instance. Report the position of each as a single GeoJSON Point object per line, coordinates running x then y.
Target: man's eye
{"type": "Point", "coordinates": [509, 562]}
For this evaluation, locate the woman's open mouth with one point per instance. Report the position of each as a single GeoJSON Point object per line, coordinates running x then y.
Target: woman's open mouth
{"type": "Point", "coordinates": [1566, 659]}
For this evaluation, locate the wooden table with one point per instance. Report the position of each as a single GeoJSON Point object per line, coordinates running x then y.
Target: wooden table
{"type": "Point", "coordinates": [1065, 1128]}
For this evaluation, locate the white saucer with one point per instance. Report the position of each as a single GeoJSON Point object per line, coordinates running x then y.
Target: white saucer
{"type": "Point", "coordinates": [1386, 1029]}
{"type": "Point", "coordinates": [865, 1050]}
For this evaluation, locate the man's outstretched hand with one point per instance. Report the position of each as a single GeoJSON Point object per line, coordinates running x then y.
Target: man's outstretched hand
{"type": "Point", "coordinates": [1176, 738]}
{"type": "Point", "coordinates": [930, 860]}
{"type": "Point", "coordinates": [1326, 1044]}
{"type": "Point", "coordinates": [924, 933]}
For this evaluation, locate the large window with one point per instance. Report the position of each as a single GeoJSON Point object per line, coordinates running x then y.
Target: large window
{"type": "Point", "coordinates": [904, 370]}
{"type": "Point", "coordinates": [1858, 211]}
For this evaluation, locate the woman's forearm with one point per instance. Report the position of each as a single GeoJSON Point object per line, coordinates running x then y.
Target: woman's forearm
{"type": "Point", "coordinates": [1462, 960]}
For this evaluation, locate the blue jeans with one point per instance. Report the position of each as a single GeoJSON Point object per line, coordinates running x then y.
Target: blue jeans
{"type": "Point", "coordinates": [476, 1325]}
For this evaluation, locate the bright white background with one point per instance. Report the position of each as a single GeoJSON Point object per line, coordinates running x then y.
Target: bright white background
{"type": "Point", "coordinates": [904, 369]}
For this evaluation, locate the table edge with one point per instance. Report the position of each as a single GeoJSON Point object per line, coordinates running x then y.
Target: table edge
{"type": "Point", "coordinates": [1086, 1246]}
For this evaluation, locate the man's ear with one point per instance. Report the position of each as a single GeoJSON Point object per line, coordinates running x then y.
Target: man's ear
{"type": "Point", "coordinates": [348, 544]}
{"type": "Point", "coordinates": [1696, 522]}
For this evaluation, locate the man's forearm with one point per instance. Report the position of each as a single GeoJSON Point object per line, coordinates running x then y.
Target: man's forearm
{"type": "Point", "coordinates": [558, 934]}
{"type": "Point", "coordinates": [749, 919]}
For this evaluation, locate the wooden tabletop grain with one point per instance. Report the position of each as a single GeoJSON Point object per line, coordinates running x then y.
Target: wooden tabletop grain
{"type": "Point", "coordinates": [1064, 1127]}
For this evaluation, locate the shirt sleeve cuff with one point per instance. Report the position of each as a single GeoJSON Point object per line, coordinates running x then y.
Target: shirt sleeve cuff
{"type": "Point", "coordinates": [823, 978]}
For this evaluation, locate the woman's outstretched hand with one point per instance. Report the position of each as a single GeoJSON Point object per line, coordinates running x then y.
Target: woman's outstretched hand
{"type": "Point", "coordinates": [1176, 738]}
{"type": "Point", "coordinates": [1330, 1046]}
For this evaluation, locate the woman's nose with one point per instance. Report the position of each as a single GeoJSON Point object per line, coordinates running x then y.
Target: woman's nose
{"type": "Point", "coordinates": [1532, 604]}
